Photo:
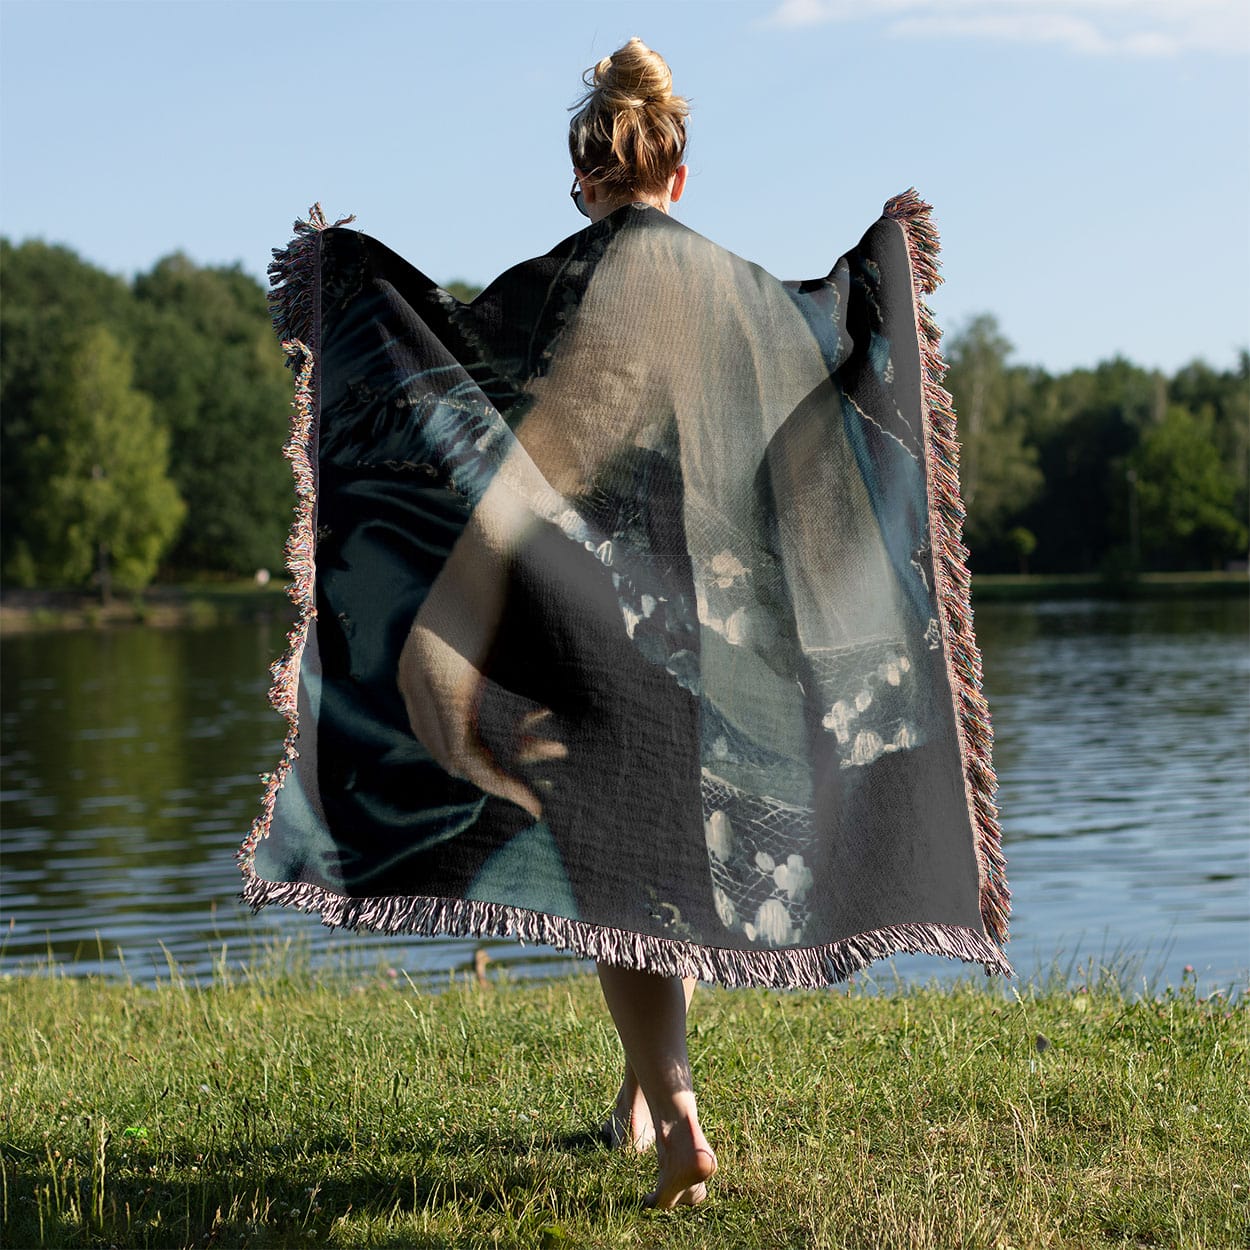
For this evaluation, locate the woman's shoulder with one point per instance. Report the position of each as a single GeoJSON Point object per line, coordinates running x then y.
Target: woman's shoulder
{"type": "Point", "coordinates": [647, 230]}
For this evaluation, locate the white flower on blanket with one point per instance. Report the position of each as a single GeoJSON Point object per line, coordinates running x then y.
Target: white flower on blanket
{"type": "Point", "coordinates": [772, 922]}
{"type": "Point", "coordinates": [728, 568]}
{"type": "Point", "coordinates": [868, 744]}
{"type": "Point", "coordinates": [719, 835]}
{"type": "Point", "coordinates": [724, 907]}
{"type": "Point", "coordinates": [794, 877]}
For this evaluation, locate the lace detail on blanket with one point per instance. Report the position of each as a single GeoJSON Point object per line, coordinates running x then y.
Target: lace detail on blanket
{"type": "Point", "coordinates": [739, 585]}
{"type": "Point", "coordinates": [870, 694]}
{"type": "Point", "coordinates": [760, 851]}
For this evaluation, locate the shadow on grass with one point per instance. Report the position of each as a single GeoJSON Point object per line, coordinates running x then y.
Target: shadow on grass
{"type": "Point", "coordinates": [263, 1197]}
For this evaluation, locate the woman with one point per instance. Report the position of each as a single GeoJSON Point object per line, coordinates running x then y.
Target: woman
{"type": "Point", "coordinates": [634, 614]}
{"type": "Point", "coordinates": [627, 142]}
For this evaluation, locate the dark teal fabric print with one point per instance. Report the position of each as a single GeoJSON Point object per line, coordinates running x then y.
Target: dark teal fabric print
{"type": "Point", "coordinates": [635, 629]}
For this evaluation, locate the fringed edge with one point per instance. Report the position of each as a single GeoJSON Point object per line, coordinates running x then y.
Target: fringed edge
{"type": "Point", "coordinates": [293, 277]}
{"type": "Point", "coordinates": [810, 967]}
{"type": "Point", "coordinates": [950, 564]}
{"type": "Point", "coordinates": [284, 689]}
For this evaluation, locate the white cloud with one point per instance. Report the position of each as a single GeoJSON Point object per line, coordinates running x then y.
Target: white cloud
{"type": "Point", "coordinates": [1138, 28]}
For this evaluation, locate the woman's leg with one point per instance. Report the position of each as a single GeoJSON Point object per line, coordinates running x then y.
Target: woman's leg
{"type": "Point", "coordinates": [650, 1015]}
{"type": "Point", "coordinates": [629, 1124]}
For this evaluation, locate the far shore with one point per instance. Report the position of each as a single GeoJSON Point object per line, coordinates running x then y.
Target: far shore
{"type": "Point", "coordinates": [183, 604]}
{"type": "Point", "coordinates": [165, 605]}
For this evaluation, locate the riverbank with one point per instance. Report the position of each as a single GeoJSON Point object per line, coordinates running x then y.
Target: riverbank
{"type": "Point", "coordinates": [286, 1110]}
{"type": "Point", "coordinates": [164, 606]}
{"type": "Point", "coordinates": [215, 603]}
{"type": "Point", "coordinates": [995, 587]}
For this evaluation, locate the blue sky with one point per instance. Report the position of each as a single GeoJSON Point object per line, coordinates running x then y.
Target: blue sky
{"type": "Point", "coordinates": [1088, 160]}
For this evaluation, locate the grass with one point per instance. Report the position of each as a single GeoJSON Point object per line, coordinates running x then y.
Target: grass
{"type": "Point", "coordinates": [287, 1108]}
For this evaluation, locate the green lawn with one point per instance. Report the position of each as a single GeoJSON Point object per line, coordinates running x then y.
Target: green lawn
{"type": "Point", "coordinates": [287, 1109]}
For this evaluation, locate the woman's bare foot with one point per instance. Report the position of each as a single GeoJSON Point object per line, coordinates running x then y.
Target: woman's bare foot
{"type": "Point", "coordinates": [686, 1165]}
{"type": "Point", "coordinates": [649, 1012]}
{"type": "Point", "coordinates": [629, 1125]}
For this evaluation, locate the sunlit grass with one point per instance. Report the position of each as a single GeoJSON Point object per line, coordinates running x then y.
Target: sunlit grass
{"type": "Point", "coordinates": [278, 1107]}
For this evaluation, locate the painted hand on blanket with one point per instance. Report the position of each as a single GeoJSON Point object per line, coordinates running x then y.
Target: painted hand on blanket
{"type": "Point", "coordinates": [441, 680]}
{"type": "Point", "coordinates": [442, 691]}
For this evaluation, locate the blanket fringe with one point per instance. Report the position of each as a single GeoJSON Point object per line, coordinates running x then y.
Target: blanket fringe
{"type": "Point", "coordinates": [293, 277]}
{"type": "Point", "coordinates": [950, 564]}
{"type": "Point", "coordinates": [293, 305]}
{"type": "Point", "coordinates": [810, 967]}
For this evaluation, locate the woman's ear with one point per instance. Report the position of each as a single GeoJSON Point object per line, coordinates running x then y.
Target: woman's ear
{"type": "Point", "coordinates": [588, 186]}
{"type": "Point", "coordinates": [678, 184]}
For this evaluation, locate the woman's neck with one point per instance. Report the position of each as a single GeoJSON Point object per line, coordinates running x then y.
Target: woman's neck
{"type": "Point", "coordinates": [604, 208]}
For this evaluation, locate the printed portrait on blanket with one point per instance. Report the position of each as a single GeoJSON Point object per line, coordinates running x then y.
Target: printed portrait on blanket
{"type": "Point", "coordinates": [651, 531]}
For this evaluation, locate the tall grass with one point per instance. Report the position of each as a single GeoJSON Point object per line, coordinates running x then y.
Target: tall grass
{"type": "Point", "coordinates": [281, 1107]}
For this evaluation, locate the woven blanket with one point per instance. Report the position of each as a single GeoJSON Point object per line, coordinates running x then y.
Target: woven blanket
{"type": "Point", "coordinates": [633, 613]}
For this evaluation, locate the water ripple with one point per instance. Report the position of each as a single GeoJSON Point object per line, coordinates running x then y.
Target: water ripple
{"type": "Point", "coordinates": [1121, 736]}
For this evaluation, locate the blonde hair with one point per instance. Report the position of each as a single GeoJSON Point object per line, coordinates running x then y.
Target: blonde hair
{"type": "Point", "coordinates": [629, 133]}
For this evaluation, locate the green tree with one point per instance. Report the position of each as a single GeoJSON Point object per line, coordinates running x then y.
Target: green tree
{"type": "Point", "coordinates": [998, 470]}
{"type": "Point", "coordinates": [464, 291]}
{"type": "Point", "coordinates": [1023, 543]}
{"type": "Point", "coordinates": [208, 357]}
{"type": "Point", "coordinates": [1222, 397]}
{"type": "Point", "coordinates": [1085, 424]}
{"type": "Point", "coordinates": [1185, 494]}
{"type": "Point", "coordinates": [105, 506]}
{"type": "Point", "coordinates": [51, 299]}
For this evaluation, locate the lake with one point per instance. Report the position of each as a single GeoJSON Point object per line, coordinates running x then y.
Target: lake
{"type": "Point", "coordinates": [1122, 742]}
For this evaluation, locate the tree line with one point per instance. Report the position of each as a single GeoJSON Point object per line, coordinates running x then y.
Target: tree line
{"type": "Point", "coordinates": [1112, 470]}
{"type": "Point", "coordinates": [142, 423]}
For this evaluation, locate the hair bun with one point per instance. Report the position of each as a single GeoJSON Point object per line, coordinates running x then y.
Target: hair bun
{"type": "Point", "coordinates": [630, 129]}
{"type": "Point", "coordinates": [633, 77]}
